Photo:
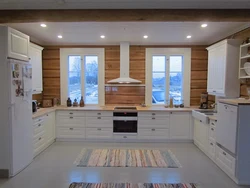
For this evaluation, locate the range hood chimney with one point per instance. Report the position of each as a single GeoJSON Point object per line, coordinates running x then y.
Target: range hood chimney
{"type": "Point", "coordinates": [124, 67]}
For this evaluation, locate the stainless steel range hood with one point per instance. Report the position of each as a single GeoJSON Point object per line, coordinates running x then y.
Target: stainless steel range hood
{"type": "Point", "coordinates": [124, 67]}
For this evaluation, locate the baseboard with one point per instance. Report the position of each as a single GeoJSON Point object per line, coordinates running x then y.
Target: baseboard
{"type": "Point", "coordinates": [4, 173]}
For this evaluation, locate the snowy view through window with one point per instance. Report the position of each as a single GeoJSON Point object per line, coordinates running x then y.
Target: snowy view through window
{"type": "Point", "coordinates": [160, 73]}
{"type": "Point", "coordinates": [90, 76]}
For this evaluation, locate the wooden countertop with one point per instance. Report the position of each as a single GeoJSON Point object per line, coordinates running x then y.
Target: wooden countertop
{"type": "Point", "coordinates": [235, 101]}
{"type": "Point", "coordinates": [43, 111]}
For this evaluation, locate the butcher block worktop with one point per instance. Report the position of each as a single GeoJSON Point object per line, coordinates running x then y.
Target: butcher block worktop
{"type": "Point", "coordinates": [235, 101]}
{"type": "Point", "coordinates": [43, 111]}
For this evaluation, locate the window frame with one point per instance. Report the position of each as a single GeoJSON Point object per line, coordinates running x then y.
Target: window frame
{"type": "Point", "coordinates": [64, 68]}
{"type": "Point", "coordinates": [186, 68]}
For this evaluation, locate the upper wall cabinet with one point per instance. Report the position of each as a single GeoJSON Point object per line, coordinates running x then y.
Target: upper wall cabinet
{"type": "Point", "coordinates": [36, 61]}
{"type": "Point", "coordinates": [223, 68]}
{"type": "Point", "coordinates": [18, 45]}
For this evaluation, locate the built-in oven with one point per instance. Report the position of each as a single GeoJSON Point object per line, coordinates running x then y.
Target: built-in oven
{"type": "Point", "coordinates": [125, 121]}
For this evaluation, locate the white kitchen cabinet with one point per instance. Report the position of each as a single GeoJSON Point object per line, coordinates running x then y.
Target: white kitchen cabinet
{"type": "Point", "coordinates": [50, 126]}
{"type": "Point", "coordinates": [18, 45]}
{"type": "Point", "coordinates": [180, 125]}
{"type": "Point", "coordinates": [43, 132]}
{"type": "Point", "coordinates": [201, 135]}
{"type": "Point", "coordinates": [223, 68]}
{"type": "Point", "coordinates": [35, 53]}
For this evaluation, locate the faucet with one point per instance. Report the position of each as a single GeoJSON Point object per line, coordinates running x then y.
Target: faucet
{"type": "Point", "coordinates": [214, 106]}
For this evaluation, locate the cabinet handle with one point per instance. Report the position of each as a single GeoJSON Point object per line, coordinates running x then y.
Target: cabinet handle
{"type": "Point", "coordinates": [40, 138]}
{"type": "Point", "coordinates": [71, 129]}
{"type": "Point", "coordinates": [153, 117]}
{"type": "Point", "coordinates": [214, 91]}
{"type": "Point", "coordinates": [99, 113]}
{"type": "Point", "coordinates": [99, 129]}
{"type": "Point", "coordinates": [34, 89]}
{"type": "Point", "coordinates": [224, 153]}
{"type": "Point", "coordinates": [201, 121]}
{"type": "Point", "coordinates": [47, 114]}
{"type": "Point", "coordinates": [212, 129]}
{"type": "Point", "coordinates": [71, 117]}
{"type": "Point", "coordinates": [99, 118]}
{"type": "Point", "coordinates": [40, 120]}
{"type": "Point", "coordinates": [211, 144]}
{"type": "Point", "coordinates": [125, 137]}
{"type": "Point", "coordinates": [71, 113]}
{"type": "Point", "coordinates": [215, 120]}
{"type": "Point", "coordinates": [153, 114]}
{"type": "Point", "coordinates": [212, 123]}
{"type": "Point", "coordinates": [39, 125]}
{"type": "Point", "coordinates": [171, 112]}
{"type": "Point", "coordinates": [153, 129]}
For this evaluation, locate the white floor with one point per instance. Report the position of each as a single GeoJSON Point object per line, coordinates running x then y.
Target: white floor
{"type": "Point", "coordinates": [54, 168]}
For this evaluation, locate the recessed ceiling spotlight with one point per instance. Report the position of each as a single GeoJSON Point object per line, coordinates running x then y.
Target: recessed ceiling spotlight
{"type": "Point", "coordinates": [189, 37]}
{"type": "Point", "coordinates": [43, 25]}
{"type": "Point", "coordinates": [102, 36]}
{"type": "Point", "coordinates": [203, 25]}
{"type": "Point", "coordinates": [145, 36]}
{"type": "Point", "coordinates": [60, 36]}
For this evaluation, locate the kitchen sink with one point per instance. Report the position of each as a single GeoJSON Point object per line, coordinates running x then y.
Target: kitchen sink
{"type": "Point", "coordinates": [202, 115]}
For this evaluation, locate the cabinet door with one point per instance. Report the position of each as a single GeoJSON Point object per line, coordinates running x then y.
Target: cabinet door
{"type": "Point", "coordinates": [18, 45]}
{"type": "Point", "coordinates": [201, 135]}
{"type": "Point", "coordinates": [50, 128]}
{"type": "Point", "coordinates": [210, 80]}
{"type": "Point", "coordinates": [36, 61]}
{"type": "Point", "coordinates": [180, 125]}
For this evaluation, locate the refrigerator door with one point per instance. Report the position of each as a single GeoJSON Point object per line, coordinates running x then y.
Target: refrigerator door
{"type": "Point", "coordinates": [21, 117]}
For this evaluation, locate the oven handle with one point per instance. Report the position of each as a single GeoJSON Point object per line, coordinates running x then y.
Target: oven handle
{"type": "Point", "coordinates": [125, 118]}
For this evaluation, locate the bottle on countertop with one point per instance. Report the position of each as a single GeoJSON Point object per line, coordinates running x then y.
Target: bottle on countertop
{"type": "Point", "coordinates": [75, 103]}
{"type": "Point", "coordinates": [82, 102]}
{"type": "Point", "coordinates": [69, 102]}
{"type": "Point", "coordinates": [171, 102]}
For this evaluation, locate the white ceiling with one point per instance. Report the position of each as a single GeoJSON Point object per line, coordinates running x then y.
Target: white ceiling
{"type": "Point", "coordinates": [162, 33]}
{"type": "Point", "coordinates": [124, 4]}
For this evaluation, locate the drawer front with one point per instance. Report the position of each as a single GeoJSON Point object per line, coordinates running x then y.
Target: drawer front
{"type": "Point", "coordinates": [153, 114]}
{"type": "Point", "coordinates": [39, 142]}
{"type": "Point", "coordinates": [63, 132]}
{"type": "Point", "coordinates": [154, 133]}
{"type": "Point", "coordinates": [71, 113]}
{"type": "Point", "coordinates": [38, 120]}
{"type": "Point", "coordinates": [225, 161]}
{"type": "Point", "coordinates": [211, 149]}
{"type": "Point", "coordinates": [213, 123]}
{"type": "Point", "coordinates": [38, 136]}
{"type": "Point", "coordinates": [212, 133]}
{"type": "Point", "coordinates": [99, 113]}
{"type": "Point", "coordinates": [125, 137]}
{"type": "Point", "coordinates": [99, 122]}
{"type": "Point", "coordinates": [70, 121]}
{"type": "Point", "coordinates": [155, 122]}
{"type": "Point", "coordinates": [100, 133]}
{"type": "Point", "coordinates": [38, 127]}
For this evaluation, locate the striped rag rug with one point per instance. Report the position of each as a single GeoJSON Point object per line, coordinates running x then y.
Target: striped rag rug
{"type": "Point", "coordinates": [129, 185]}
{"type": "Point", "coordinates": [127, 158]}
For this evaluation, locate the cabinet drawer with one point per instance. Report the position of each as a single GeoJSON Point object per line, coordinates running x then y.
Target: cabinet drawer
{"type": "Point", "coordinates": [101, 133]}
{"type": "Point", "coordinates": [70, 121]}
{"type": "Point", "coordinates": [99, 122]}
{"type": "Point", "coordinates": [99, 113]}
{"type": "Point", "coordinates": [156, 122]}
{"type": "Point", "coordinates": [153, 114]}
{"type": "Point", "coordinates": [36, 137]}
{"type": "Point", "coordinates": [211, 149]}
{"type": "Point", "coordinates": [212, 133]}
{"type": "Point", "coordinates": [39, 141]}
{"type": "Point", "coordinates": [72, 132]}
{"type": "Point", "coordinates": [125, 137]}
{"type": "Point", "coordinates": [225, 161]}
{"type": "Point", "coordinates": [38, 120]}
{"type": "Point", "coordinates": [71, 113]}
{"type": "Point", "coordinates": [153, 133]}
{"type": "Point", "coordinates": [213, 123]}
{"type": "Point", "coordinates": [38, 127]}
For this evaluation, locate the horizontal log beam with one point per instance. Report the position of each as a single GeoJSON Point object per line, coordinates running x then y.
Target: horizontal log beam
{"type": "Point", "coordinates": [123, 15]}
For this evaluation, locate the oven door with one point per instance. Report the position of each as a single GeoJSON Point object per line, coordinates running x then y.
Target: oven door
{"type": "Point", "coordinates": [125, 125]}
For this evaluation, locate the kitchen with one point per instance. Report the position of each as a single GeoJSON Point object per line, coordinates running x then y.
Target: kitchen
{"type": "Point", "coordinates": [121, 109]}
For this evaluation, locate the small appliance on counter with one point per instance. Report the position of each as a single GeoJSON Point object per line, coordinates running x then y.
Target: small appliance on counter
{"type": "Point", "coordinates": [204, 101]}
{"type": "Point", "coordinates": [34, 106]}
{"type": "Point", "coordinates": [47, 103]}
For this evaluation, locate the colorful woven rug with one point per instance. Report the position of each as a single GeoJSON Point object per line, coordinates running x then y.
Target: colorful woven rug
{"type": "Point", "coordinates": [129, 185]}
{"type": "Point", "coordinates": [127, 158]}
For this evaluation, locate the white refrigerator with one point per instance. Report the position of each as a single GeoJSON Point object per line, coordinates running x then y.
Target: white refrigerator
{"type": "Point", "coordinates": [17, 152]}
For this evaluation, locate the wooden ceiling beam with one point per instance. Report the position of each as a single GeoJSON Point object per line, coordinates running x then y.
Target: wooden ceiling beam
{"type": "Point", "coordinates": [125, 15]}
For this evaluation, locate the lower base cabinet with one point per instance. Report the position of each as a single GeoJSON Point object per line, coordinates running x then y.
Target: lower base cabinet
{"type": "Point", "coordinates": [99, 133]}
{"type": "Point", "coordinates": [201, 135]}
{"type": "Point", "coordinates": [43, 132]}
{"type": "Point", "coordinates": [153, 134]}
{"type": "Point", "coordinates": [180, 125]}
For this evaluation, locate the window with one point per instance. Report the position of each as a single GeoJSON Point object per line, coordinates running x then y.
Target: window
{"type": "Point", "coordinates": [168, 75]}
{"type": "Point", "coordinates": [82, 74]}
